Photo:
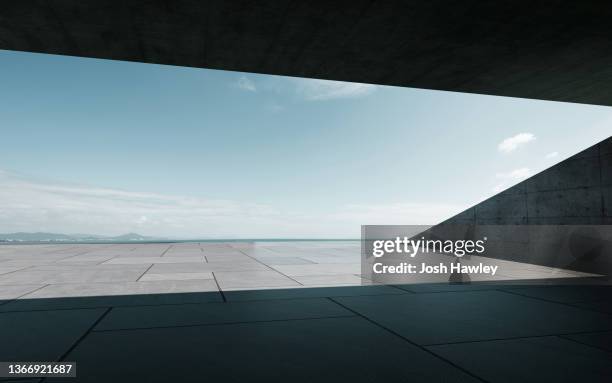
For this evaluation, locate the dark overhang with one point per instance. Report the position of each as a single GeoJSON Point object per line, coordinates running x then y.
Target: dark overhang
{"type": "Point", "coordinates": [543, 49]}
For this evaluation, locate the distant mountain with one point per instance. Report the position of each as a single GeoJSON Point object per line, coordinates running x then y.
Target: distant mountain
{"type": "Point", "coordinates": [54, 237]}
{"type": "Point", "coordinates": [132, 237]}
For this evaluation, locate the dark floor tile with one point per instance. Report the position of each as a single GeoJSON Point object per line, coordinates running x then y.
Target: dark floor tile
{"type": "Point", "coordinates": [252, 295]}
{"type": "Point", "coordinates": [42, 335]}
{"type": "Point", "coordinates": [601, 340]}
{"type": "Point", "coordinates": [109, 301]}
{"type": "Point", "coordinates": [210, 313]}
{"type": "Point", "coordinates": [565, 294]}
{"type": "Point", "coordinates": [316, 350]}
{"type": "Point", "coordinates": [473, 315]}
{"type": "Point", "coordinates": [445, 287]}
{"type": "Point", "coordinates": [603, 306]}
{"type": "Point", "coordinates": [538, 360]}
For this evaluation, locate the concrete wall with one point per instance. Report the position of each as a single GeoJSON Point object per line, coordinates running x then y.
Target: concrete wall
{"type": "Point", "coordinates": [577, 191]}
{"type": "Point", "coordinates": [556, 218]}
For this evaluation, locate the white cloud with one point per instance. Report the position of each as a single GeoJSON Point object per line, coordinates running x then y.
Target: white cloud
{"type": "Point", "coordinates": [552, 155]}
{"type": "Point", "coordinates": [515, 174]}
{"type": "Point", "coordinates": [319, 90]}
{"type": "Point", "coordinates": [30, 205]}
{"type": "Point", "coordinates": [510, 144]}
{"type": "Point", "coordinates": [245, 83]}
{"type": "Point", "coordinates": [304, 88]}
{"type": "Point", "coordinates": [505, 180]}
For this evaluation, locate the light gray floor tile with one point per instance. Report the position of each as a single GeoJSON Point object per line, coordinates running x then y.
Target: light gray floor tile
{"type": "Point", "coordinates": [274, 261]}
{"type": "Point", "coordinates": [6, 270]}
{"type": "Point", "coordinates": [139, 260]}
{"type": "Point", "coordinates": [229, 258]}
{"type": "Point", "coordinates": [124, 288]}
{"type": "Point", "coordinates": [72, 276]}
{"type": "Point", "coordinates": [318, 269]}
{"type": "Point", "coordinates": [12, 292]}
{"type": "Point", "coordinates": [333, 259]}
{"type": "Point", "coordinates": [206, 267]}
{"type": "Point", "coordinates": [175, 276]}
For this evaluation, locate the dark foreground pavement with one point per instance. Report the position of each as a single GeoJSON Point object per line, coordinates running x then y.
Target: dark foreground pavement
{"type": "Point", "coordinates": [416, 333]}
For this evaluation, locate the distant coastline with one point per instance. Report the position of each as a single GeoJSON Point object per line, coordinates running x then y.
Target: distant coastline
{"type": "Point", "coordinates": [54, 238]}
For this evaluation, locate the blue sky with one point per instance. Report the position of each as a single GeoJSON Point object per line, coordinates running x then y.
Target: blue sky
{"type": "Point", "coordinates": [109, 147]}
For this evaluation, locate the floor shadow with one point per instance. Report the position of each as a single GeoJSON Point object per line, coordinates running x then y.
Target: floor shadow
{"type": "Point", "coordinates": [420, 333]}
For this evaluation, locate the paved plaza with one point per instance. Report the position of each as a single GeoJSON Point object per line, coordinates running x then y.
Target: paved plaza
{"type": "Point", "coordinates": [78, 270]}
{"type": "Point", "coordinates": [293, 312]}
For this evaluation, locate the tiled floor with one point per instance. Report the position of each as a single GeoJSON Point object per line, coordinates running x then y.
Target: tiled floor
{"type": "Point", "coordinates": [46, 271]}
{"type": "Point", "coordinates": [294, 312]}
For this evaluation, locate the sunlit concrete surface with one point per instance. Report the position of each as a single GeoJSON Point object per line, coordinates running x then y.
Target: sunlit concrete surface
{"type": "Point", "coordinates": [241, 312]}
{"type": "Point", "coordinates": [74, 270]}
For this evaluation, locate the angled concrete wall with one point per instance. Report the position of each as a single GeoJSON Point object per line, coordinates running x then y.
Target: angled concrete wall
{"type": "Point", "coordinates": [556, 218]}
{"type": "Point", "coordinates": [577, 191]}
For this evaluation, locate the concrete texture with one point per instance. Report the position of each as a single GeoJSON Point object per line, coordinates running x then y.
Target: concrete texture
{"type": "Point", "coordinates": [538, 49]}
{"type": "Point", "coordinates": [417, 333]}
{"type": "Point", "coordinates": [592, 363]}
{"type": "Point", "coordinates": [40, 272]}
{"type": "Point", "coordinates": [244, 311]}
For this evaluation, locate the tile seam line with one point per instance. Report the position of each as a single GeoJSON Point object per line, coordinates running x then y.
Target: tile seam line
{"type": "Point", "coordinates": [393, 286]}
{"type": "Point", "coordinates": [82, 253]}
{"type": "Point", "coordinates": [402, 292]}
{"type": "Point", "coordinates": [82, 337]}
{"type": "Point", "coordinates": [165, 251]}
{"type": "Point", "coordinates": [23, 295]}
{"type": "Point", "coordinates": [112, 257]}
{"type": "Point", "coordinates": [430, 352]}
{"type": "Point", "coordinates": [563, 336]}
{"type": "Point", "coordinates": [107, 260]}
{"type": "Point", "coordinates": [314, 297]}
{"type": "Point", "coordinates": [270, 267]}
{"type": "Point", "coordinates": [219, 287]}
{"type": "Point", "coordinates": [14, 271]}
{"type": "Point", "coordinates": [510, 338]}
{"type": "Point", "coordinates": [183, 303]}
{"type": "Point", "coordinates": [102, 306]}
{"type": "Point", "coordinates": [146, 271]}
{"type": "Point", "coordinates": [224, 323]}
{"type": "Point", "coordinates": [568, 304]}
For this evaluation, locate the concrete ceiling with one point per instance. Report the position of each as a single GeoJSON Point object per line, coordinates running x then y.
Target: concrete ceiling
{"type": "Point", "coordinates": [554, 50]}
